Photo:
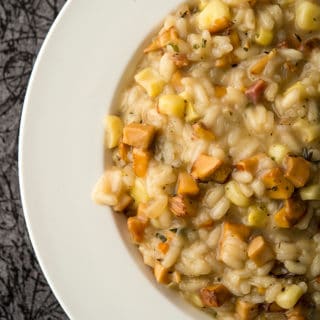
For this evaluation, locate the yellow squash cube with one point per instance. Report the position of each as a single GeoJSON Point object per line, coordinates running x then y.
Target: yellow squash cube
{"type": "Point", "coordinates": [151, 81]}
{"type": "Point", "coordinates": [113, 130]}
{"type": "Point", "coordinates": [308, 16]}
{"type": "Point", "coordinates": [215, 16]}
{"type": "Point", "coordinates": [257, 216]}
{"type": "Point", "coordinates": [264, 37]}
{"type": "Point", "coordinates": [172, 105]}
{"type": "Point", "coordinates": [289, 297]}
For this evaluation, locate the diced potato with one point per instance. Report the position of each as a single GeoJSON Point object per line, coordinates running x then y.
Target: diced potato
{"type": "Point", "coordinates": [246, 310]}
{"type": "Point", "coordinates": [138, 135]}
{"type": "Point", "coordinates": [238, 230]}
{"type": "Point", "coordinates": [141, 160]}
{"type": "Point", "coordinates": [257, 216]}
{"type": "Point", "coordinates": [307, 131]}
{"type": "Point", "coordinates": [187, 185]}
{"type": "Point", "coordinates": [139, 192]}
{"type": "Point", "coordinates": [277, 152]}
{"type": "Point", "coordinates": [161, 273]}
{"type": "Point", "coordinates": [235, 195]}
{"type": "Point", "coordinates": [222, 174]}
{"type": "Point", "coordinates": [297, 170]}
{"type": "Point", "coordinates": [264, 37]}
{"type": "Point", "coordinates": [191, 113]}
{"type": "Point", "coordinates": [181, 206]}
{"type": "Point", "coordinates": [308, 16]}
{"type": "Point", "coordinates": [205, 166]}
{"type": "Point", "coordinates": [163, 39]}
{"type": "Point", "coordinates": [136, 228]}
{"type": "Point", "coordinates": [215, 295]}
{"type": "Point", "coordinates": [289, 297]}
{"type": "Point", "coordinates": [113, 130]}
{"type": "Point", "coordinates": [215, 16]}
{"type": "Point", "coordinates": [172, 105]}
{"type": "Point", "coordinates": [201, 132]}
{"type": "Point", "coordinates": [293, 210]}
{"type": "Point", "coordinates": [151, 81]}
{"type": "Point", "coordinates": [278, 187]}
{"type": "Point", "coordinates": [124, 201]}
{"type": "Point", "coordinates": [250, 164]}
{"type": "Point", "coordinates": [259, 251]}
{"type": "Point", "coordinates": [311, 192]}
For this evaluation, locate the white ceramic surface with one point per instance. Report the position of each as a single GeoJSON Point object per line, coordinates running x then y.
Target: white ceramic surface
{"type": "Point", "coordinates": [82, 248]}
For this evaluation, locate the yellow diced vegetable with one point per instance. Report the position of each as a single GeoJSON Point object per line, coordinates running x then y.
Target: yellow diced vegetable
{"type": "Point", "coordinates": [205, 166]}
{"type": "Point", "coordinates": [259, 66]}
{"type": "Point", "coordinates": [172, 105]}
{"type": "Point", "coordinates": [257, 216]}
{"type": "Point", "coordinates": [235, 195]}
{"type": "Point", "coordinates": [187, 185]}
{"type": "Point", "coordinates": [138, 135]}
{"type": "Point", "coordinates": [297, 170]}
{"type": "Point", "coordinates": [164, 38]}
{"type": "Point", "coordinates": [139, 191]}
{"type": "Point", "coordinates": [215, 16]}
{"type": "Point", "coordinates": [136, 229]}
{"type": "Point", "coordinates": [277, 152]}
{"type": "Point", "coordinates": [259, 251]}
{"type": "Point", "coordinates": [308, 16]}
{"type": "Point", "coordinates": [191, 113]}
{"type": "Point", "coordinates": [311, 192]}
{"type": "Point", "coordinates": [289, 297]}
{"type": "Point", "coordinates": [264, 37]}
{"type": "Point", "coordinates": [202, 4]}
{"type": "Point", "coordinates": [140, 163]}
{"type": "Point", "coordinates": [307, 131]}
{"type": "Point", "coordinates": [151, 81]}
{"type": "Point", "coordinates": [113, 129]}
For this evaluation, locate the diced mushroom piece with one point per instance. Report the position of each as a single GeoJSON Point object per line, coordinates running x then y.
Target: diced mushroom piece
{"type": "Point", "coordinates": [181, 206]}
{"type": "Point", "coordinates": [215, 295]}
{"type": "Point", "coordinates": [297, 170]}
{"type": "Point", "coordinates": [250, 164]}
{"type": "Point", "coordinates": [136, 228]}
{"type": "Point", "coordinates": [294, 209]}
{"type": "Point", "coordinates": [160, 273]}
{"type": "Point", "coordinates": [297, 313]}
{"type": "Point", "coordinates": [123, 203]}
{"type": "Point", "coordinates": [222, 174]}
{"type": "Point", "coordinates": [187, 185]}
{"type": "Point", "coordinates": [255, 92]}
{"type": "Point", "coordinates": [278, 187]}
{"type": "Point", "coordinates": [259, 251]}
{"type": "Point", "coordinates": [163, 39]}
{"type": "Point", "coordinates": [141, 160]}
{"type": "Point", "coordinates": [180, 60]}
{"type": "Point", "coordinates": [205, 166]}
{"type": "Point", "coordinates": [138, 135]}
{"type": "Point", "coordinates": [246, 310]}
{"type": "Point", "coordinates": [201, 132]}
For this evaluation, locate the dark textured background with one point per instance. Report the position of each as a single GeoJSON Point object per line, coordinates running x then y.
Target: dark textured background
{"type": "Point", "coordinates": [24, 293]}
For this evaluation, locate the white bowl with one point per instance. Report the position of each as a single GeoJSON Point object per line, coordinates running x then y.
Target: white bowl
{"type": "Point", "coordinates": [84, 249]}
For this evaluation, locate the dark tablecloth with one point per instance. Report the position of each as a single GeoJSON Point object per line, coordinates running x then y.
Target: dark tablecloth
{"type": "Point", "coordinates": [24, 292]}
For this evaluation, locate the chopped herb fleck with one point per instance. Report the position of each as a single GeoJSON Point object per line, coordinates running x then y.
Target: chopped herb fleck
{"type": "Point", "coordinates": [204, 43]}
{"type": "Point", "coordinates": [184, 14]}
{"type": "Point", "coordinates": [174, 47]}
{"type": "Point", "coordinates": [161, 237]}
{"type": "Point", "coordinates": [298, 37]}
{"type": "Point", "coordinates": [274, 188]}
{"type": "Point", "coordinates": [234, 65]}
{"type": "Point", "coordinates": [307, 154]}
{"type": "Point", "coordinates": [174, 230]}
{"type": "Point", "coordinates": [246, 49]}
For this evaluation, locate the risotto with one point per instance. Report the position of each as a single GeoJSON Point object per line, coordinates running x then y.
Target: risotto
{"type": "Point", "coordinates": [215, 150]}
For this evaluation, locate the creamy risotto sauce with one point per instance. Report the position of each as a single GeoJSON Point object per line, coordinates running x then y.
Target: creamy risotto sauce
{"type": "Point", "coordinates": [215, 151]}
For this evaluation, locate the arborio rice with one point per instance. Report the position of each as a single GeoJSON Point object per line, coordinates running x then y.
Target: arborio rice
{"type": "Point", "coordinates": [216, 153]}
